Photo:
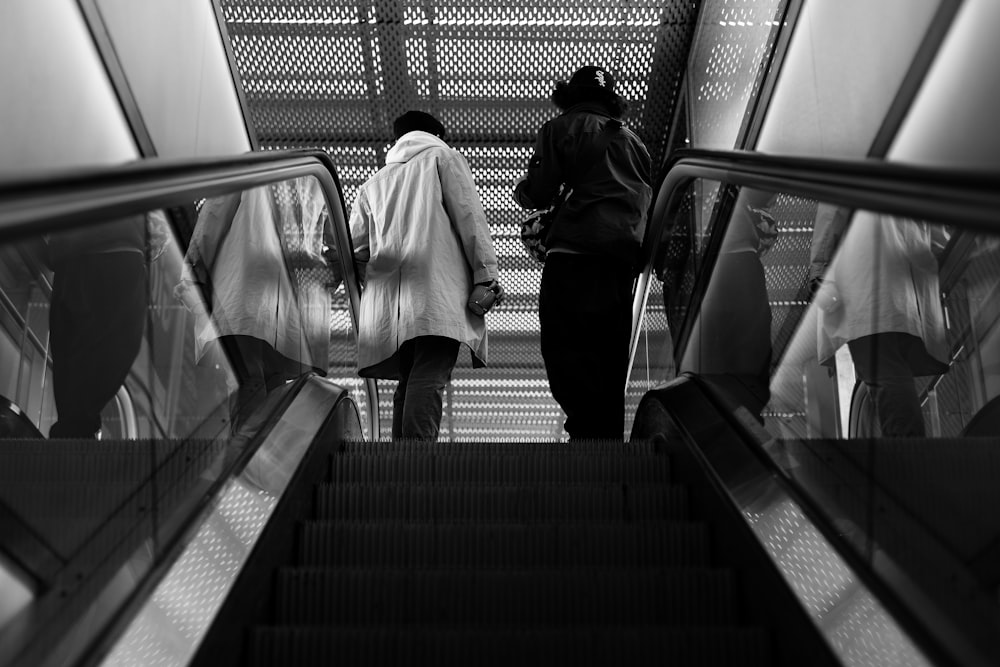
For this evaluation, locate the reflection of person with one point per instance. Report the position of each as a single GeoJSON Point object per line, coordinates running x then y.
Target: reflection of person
{"type": "Point", "coordinates": [880, 295]}
{"type": "Point", "coordinates": [237, 256]}
{"type": "Point", "coordinates": [97, 318]}
{"type": "Point", "coordinates": [732, 335]}
{"type": "Point", "coordinates": [674, 265]}
{"type": "Point", "coordinates": [421, 238]}
{"type": "Point", "coordinates": [585, 302]}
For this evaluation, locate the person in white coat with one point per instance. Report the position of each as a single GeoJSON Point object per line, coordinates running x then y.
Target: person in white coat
{"type": "Point", "coordinates": [240, 256]}
{"type": "Point", "coordinates": [876, 284]}
{"type": "Point", "coordinates": [422, 245]}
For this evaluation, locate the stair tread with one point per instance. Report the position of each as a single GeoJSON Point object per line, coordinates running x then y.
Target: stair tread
{"type": "Point", "coordinates": [508, 502]}
{"type": "Point", "coordinates": [470, 468]}
{"type": "Point", "coordinates": [323, 595]}
{"type": "Point", "coordinates": [422, 545]}
{"type": "Point", "coordinates": [519, 553]}
{"type": "Point", "coordinates": [581, 646]}
{"type": "Point", "coordinates": [553, 447]}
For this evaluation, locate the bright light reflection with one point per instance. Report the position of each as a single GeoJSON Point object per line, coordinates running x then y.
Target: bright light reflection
{"type": "Point", "coordinates": [14, 595]}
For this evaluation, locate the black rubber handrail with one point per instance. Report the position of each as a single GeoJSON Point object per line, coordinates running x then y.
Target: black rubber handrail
{"type": "Point", "coordinates": [60, 200]}
{"type": "Point", "coordinates": [961, 197]}
{"type": "Point", "coordinates": [931, 193]}
{"type": "Point", "coordinates": [965, 199]}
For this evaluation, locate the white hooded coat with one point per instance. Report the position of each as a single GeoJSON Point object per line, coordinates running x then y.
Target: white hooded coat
{"type": "Point", "coordinates": [422, 241]}
{"type": "Point", "coordinates": [886, 275]}
{"type": "Point", "coordinates": [239, 247]}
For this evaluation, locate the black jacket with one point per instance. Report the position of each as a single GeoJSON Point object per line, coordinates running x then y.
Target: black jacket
{"type": "Point", "coordinates": [606, 214]}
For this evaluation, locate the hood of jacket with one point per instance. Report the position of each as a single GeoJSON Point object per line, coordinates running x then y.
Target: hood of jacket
{"type": "Point", "coordinates": [411, 144]}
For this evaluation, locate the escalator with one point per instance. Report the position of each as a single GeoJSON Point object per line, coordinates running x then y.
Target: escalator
{"type": "Point", "coordinates": [91, 525]}
{"type": "Point", "coordinates": [283, 530]}
{"type": "Point", "coordinates": [512, 553]}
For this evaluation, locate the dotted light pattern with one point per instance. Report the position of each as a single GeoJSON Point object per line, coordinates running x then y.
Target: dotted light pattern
{"type": "Point", "coordinates": [850, 618]}
{"type": "Point", "coordinates": [188, 599]}
{"type": "Point", "coordinates": [735, 38]}
{"type": "Point", "coordinates": [334, 76]}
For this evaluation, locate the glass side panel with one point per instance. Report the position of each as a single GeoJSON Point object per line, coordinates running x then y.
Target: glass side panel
{"type": "Point", "coordinates": [140, 355]}
{"type": "Point", "coordinates": [865, 347]}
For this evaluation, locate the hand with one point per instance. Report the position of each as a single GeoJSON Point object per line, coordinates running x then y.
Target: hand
{"type": "Point", "coordinates": [495, 287]}
{"type": "Point", "coordinates": [498, 288]}
{"type": "Point", "coordinates": [825, 295]}
{"type": "Point", "coordinates": [190, 296]}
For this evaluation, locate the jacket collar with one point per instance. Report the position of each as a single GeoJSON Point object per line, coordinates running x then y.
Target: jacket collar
{"type": "Point", "coordinates": [589, 107]}
{"type": "Point", "coordinates": [412, 143]}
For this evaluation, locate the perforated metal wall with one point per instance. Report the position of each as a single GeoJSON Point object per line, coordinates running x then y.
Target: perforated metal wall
{"type": "Point", "coordinates": [735, 40]}
{"type": "Point", "coordinates": [334, 75]}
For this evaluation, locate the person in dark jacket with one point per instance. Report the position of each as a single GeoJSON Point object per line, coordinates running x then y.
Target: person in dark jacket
{"type": "Point", "coordinates": [585, 302]}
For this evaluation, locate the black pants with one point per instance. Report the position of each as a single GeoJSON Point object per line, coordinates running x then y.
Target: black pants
{"type": "Point", "coordinates": [882, 361]}
{"type": "Point", "coordinates": [96, 324]}
{"type": "Point", "coordinates": [585, 313]}
{"type": "Point", "coordinates": [259, 369]}
{"type": "Point", "coordinates": [732, 336]}
{"type": "Point", "coordinates": [425, 366]}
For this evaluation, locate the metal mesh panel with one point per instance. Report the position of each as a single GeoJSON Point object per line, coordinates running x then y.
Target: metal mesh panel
{"type": "Point", "coordinates": [334, 76]}
{"type": "Point", "coordinates": [735, 40]}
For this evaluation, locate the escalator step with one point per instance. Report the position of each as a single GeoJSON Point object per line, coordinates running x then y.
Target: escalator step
{"type": "Point", "coordinates": [524, 647]}
{"type": "Point", "coordinates": [698, 596]}
{"type": "Point", "coordinates": [509, 504]}
{"type": "Point", "coordinates": [100, 461]}
{"type": "Point", "coordinates": [499, 469]}
{"type": "Point", "coordinates": [503, 546]}
{"type": "Point", "coordinates": [491, 448]}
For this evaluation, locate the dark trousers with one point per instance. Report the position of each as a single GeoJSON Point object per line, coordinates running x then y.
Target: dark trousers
{"type": "Point", "coordinates": [882, 361]}
{"type": "Point", "coordinates": [733, 332]}
{"type": "Point", "coordinates": [425, 366]}
{"type": "Point", "coordinates": [585, 314]}
{"type": "Point", "coordinates": [259, 369]}
{"type": "Point", "coordinates": [96, 323]}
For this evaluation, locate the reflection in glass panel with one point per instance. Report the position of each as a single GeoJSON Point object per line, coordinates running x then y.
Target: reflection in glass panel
{"type": "Point", "coordinates": [133, 349]}
{"type": "Point", "coordinates": [124, 329]}
{"type": "Point", "coordinates": [866, 344]}
{"type": "Point", "coordinates": [900, 337]}
{"type": "Point", "coordinates": [730, 336]}
{"type": "Point", "coordinates": [811, 312]}
{"type": "Point", "coordinates": [680, 254]}
{"type": "Point", "coordinates": [257, 281]}
{"type": "Point", "coordinates": [827, 322]}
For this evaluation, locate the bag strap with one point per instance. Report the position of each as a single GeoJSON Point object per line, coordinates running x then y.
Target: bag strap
{"type": "Point", "coordinates": [596, 152]}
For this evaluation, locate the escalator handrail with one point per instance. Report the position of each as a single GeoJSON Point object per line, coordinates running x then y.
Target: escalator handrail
{"type": "Point", "coordinates": [61, 201]}
{"type": "Point", "coordinates": [964, 198]}
{"type": "Point", "coordinates": [959, 196]}
{"type": "Point", "coordinates": [900, 189]}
